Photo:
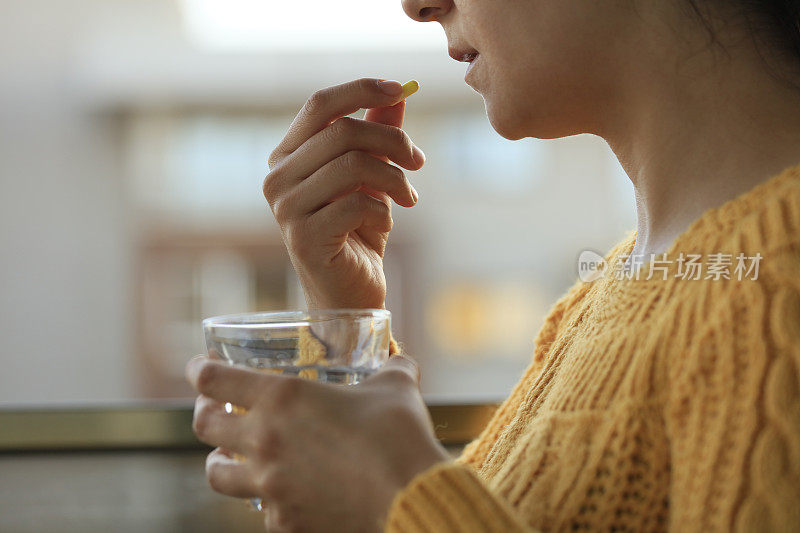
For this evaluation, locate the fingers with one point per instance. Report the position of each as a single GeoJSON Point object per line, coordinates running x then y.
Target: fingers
{"type": "Point", "coordinates": [331, 224]}
{"type": "Point", "coordinates": [347, 173]}
{"type": "Point", "coordinates": [344, 135]}
{"type": "Point", "coordinates": [347, 134]}
{"type": "Point", "coordinates": [214, 426]}
{"type": "Point", "coordinates": [399, 369]}
{"type": "Point", "coordinates": [244, 387]}
{"type": "Point", "coordinates": [224, 383]}
{"type": "Point", "coordinates": [391, 116]}
{"type": "Point", "coordinates": [327, 105]}
{"type": "Point", "coordinates": [276, 518]}
{"type": "Point", "coordinates": [229, 476]}
{"type": "Point", "coordinates": [403, 363]}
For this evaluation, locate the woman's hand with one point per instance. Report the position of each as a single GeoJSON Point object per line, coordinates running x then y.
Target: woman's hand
{"type": "Point", "coordinates": [329, 187]}
{"type": "Point", "coordinates": [322, 457]}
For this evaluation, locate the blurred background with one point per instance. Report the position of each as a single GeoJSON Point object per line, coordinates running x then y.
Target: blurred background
{"type": "Point", "coordinates": [133, 144]}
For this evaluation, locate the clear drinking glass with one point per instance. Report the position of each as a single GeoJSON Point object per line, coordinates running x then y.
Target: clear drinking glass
{"type": "Point", "coordinates": [342, 346]}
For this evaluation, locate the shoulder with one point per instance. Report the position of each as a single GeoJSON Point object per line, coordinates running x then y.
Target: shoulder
{"type": "Point", "coordinates": [770, 218]}
{"type": "Point", "coordinates": [569, 302]}
{"type": "Point", "coordinates": [747, 324]}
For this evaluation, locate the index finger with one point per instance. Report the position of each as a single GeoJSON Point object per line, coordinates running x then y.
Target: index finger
{"type": "Point", "coordinates": [331, 103]}
{"type": "Point", "coordinates": [223, 382]}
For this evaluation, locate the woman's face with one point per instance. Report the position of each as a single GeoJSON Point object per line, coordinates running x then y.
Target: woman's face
{"type": "Point", "coordinates": [545, 68]}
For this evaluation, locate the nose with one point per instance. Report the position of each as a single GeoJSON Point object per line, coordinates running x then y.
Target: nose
{"type": "Point", "coordinates": [426, 10]}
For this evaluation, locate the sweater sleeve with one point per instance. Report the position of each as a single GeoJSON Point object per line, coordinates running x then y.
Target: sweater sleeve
{"type": "Point", "coordinates": [450, 498]}
{"type": "Point", "coordinates": [733, 407]}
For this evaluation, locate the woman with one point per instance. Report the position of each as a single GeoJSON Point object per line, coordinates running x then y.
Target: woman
{"type": "Point", "coordinates": [659, 403]}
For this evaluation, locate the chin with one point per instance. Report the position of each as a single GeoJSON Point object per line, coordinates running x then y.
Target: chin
{"type": "Point", "coordinates": [514, 123]}
{"type": "Point", "coordinates": [505, 122]}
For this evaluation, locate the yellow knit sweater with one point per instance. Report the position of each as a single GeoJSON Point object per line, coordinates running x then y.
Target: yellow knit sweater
{"type": "Point", "coordinates": [650, 404]}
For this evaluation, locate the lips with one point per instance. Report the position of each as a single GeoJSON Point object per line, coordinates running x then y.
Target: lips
{"type": "Point", "coordinates": [466, 55]}
{"type": "Point", "coordinates": [470, 68]}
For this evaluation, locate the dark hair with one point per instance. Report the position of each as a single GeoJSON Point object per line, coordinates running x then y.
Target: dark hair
{"type": "Point", "coordinates": [775, 22]}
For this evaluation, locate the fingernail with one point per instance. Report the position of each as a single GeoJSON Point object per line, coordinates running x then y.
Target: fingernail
{"type": "Point", "coordinates": [418, 155]}
{"type": "Point", "coordinates": [414, 193]}
{"type": "Point", "coordinates": [392, 88]}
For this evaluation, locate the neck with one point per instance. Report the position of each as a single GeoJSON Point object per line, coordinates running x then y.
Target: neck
{"type": "Point", "coordinates": [692, 135]}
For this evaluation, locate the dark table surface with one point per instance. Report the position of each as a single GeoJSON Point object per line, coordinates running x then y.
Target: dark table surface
{"type": "Point", "coordinates": [116, 491]}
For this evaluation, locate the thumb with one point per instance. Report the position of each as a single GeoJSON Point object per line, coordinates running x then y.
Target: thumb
{"type": "Point", "coordinates": [391, 116]}
{"type": "Point", "coordinates": [401, 364]}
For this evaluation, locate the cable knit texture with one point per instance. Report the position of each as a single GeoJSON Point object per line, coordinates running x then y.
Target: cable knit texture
{"type": "Point", "coordinates": [650, 404]}
{"type": "Point", "coordinates": [394, 346]}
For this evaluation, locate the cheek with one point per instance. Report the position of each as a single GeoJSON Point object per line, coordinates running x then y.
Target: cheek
{"type": "Point", "coordinates": [508, 94]}
{"type": "Point", "coordinates": [547, 66]}
{"type": "Point", "coordinates": [547, 93]}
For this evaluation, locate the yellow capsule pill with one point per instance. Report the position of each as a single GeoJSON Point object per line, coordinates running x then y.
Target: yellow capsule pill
{"type": "Point", "coordinates": [410, 87]}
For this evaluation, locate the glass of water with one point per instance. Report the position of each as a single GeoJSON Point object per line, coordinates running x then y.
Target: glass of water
{"type": "Point", "coordinates": [342, 346]}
